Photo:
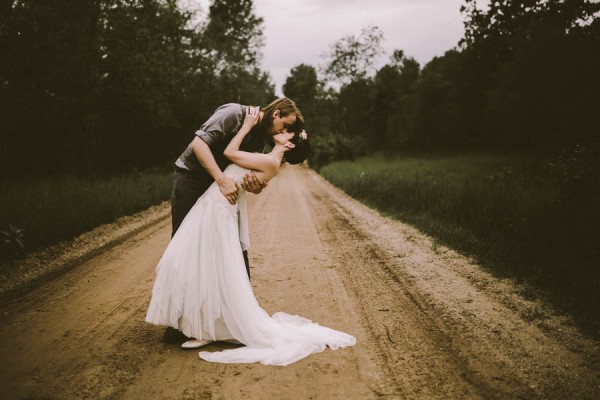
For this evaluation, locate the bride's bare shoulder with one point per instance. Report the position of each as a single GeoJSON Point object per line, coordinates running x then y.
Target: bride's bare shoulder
{"type": "Point", "coordinates": [271, 163]}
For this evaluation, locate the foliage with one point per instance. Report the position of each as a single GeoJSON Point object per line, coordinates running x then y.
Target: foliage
{"type": "Point", "coordinates": [12, 240]}
{"type": "Point", "coordinates": [506, 19]}
{"type": "Point", "coordinates": [304, 87]}
{"type": "Point", "coordinates": [330, 147]}
{"type": "Point", "coordinates": [144, 70]}
{"type": "Point", "coordinates": [233, 35]}
{"type": "Point", "coordinates": [319, 107]}
{"type": "Point", "coordinates": [534, 62]}
{"type": "Point", "coordinates": [105, 86]}
{"type": "Point", "coordinates": [232, 40]}
{"type": "Point", "coordinates": [393, 104]}
{"type": "Point", "coordinates": [523, 81]}
{"type": "Point", "coordinates": [354, 102]}
{"type": "Point", "coordinates": [438, 117]}
{"type": "Point", "coordinates": [352, 57]}
{"type": "Point", "coordinates": [577, 170]}
{"type": "Point", "coordinates": [43, 211]}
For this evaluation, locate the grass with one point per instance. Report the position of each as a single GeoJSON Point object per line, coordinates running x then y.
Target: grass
{"type": "Point", "coordinates": [504, 211]}
{"type": "Point", "coordinates": [54, 209]}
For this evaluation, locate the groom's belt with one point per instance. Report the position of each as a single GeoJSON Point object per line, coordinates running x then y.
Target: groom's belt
{"type": "Point", "coordinates": [183, 170]}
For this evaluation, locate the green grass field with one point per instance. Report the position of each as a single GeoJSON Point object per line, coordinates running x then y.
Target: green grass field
{"type": "Point", "coordinates": [54, 209]}
{"type": "Point", "coordinates": [505, 211]}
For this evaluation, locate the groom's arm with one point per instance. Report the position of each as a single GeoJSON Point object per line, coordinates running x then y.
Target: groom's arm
{"type": "Point", "coordinates": [220, 128]}
{"type": "Point", "coordinates": [215, 130]}
{"type": "Point", "coordinates": [207, 161]}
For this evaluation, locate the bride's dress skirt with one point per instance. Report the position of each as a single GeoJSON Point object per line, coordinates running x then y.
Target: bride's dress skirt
{"type": "Point", "coordinates": [202, 289]}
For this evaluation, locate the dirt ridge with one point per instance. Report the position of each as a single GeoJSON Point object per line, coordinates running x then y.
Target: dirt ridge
{"type": "Point", "coordinates": [25, 274]}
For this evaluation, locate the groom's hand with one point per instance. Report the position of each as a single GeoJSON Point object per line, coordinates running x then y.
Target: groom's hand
{"type": "Point", "coordinates": [228, 187]}
{"type": "Point", "coordinates": [252, 184]}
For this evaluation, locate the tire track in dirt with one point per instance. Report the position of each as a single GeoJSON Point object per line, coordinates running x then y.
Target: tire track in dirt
{"type": "Point", "coordinates": [478, 321]}
{"type": "Point", "coordinates": [410, 343]}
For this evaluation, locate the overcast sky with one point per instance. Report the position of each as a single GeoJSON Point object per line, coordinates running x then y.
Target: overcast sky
{"type": "Point", "coordinates": [300, 31]}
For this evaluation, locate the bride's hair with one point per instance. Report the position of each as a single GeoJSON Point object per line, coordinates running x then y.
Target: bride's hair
{"type": "Point", "coordinates": [300, 152]}
{"type": "Point", "coordinates": [285, 106]}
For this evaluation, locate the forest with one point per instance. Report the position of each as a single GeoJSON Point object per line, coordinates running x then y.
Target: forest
{"type": "Point", "coordinates": [106, 86]}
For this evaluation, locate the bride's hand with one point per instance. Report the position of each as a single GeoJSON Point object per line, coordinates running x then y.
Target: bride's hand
{"type": "Point", "coordinates": [252, 114]}
{"type": "Point", "coordinates": [229, 188]}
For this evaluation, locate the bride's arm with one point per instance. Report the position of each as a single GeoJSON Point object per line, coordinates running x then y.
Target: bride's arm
{"type": "Point", "coordinates": [264, 165]}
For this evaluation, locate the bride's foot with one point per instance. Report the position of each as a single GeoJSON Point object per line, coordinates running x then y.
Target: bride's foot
{"type": "Point", "coordinates": [195, 343]}
{"type": "Point", "coordinates": [232, 341]}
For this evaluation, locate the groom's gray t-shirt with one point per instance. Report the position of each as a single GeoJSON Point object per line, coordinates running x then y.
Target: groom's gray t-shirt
{"type": "Point", "coordinates": [217, 132]}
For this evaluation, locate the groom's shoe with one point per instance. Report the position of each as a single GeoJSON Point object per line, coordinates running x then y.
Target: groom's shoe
{"type": "Point", "coordinates": [173, 335]}
{"type": "Point", "coordinates": [195, 343]}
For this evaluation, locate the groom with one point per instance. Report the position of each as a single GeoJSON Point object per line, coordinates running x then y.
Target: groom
{"type": "Point", "coordinates": [203, 162]}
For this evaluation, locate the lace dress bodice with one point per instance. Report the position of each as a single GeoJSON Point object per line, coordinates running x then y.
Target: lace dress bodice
{"type": "Point", "coordinates": [239, 209]}
{"type": "Point", "coordinates": [234, 172]}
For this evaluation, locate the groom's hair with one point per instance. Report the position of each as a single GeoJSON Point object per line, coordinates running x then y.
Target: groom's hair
{"type": "Point", "coordinates": [285, 106]}
{"type": "Point", "coordinates": [300, 152]}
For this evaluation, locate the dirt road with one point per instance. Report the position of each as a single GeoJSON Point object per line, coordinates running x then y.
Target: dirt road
{"type": "Point", "coordinates": [430, 324]}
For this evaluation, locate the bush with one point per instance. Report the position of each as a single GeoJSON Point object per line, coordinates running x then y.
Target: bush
{"type": "Point", "coordinates": [39, 212]}
{"type": "Point", "coordinates": [331, 147]}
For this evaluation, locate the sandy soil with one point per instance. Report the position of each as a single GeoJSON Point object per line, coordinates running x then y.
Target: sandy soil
{"type": "Point", "coordinates": [430, 323]}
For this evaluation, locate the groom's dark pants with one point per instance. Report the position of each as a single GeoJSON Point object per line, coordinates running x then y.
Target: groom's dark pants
{"type": "Point", "coordinates": [187, 189]}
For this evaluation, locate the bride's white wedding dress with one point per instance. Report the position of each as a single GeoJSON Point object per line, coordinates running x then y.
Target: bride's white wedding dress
{"type": "Point", "coordinates": [202, 289]}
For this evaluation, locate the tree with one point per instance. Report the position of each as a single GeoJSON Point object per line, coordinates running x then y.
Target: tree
{"type": "Point", "coordinates": [47, 72]}
{"type": "Point", "coordinates": [393, 103]}
{"type": "Point", "coordinates": [146, 68]}
{"type": "Point", "coordinates": [507, 18]}
{"type": "Point", "coordinates": [438, 113]}
{"type": "Point", "coordinates": [233, 35]}
{"type": "Point", "coordinates": [244, 86]}
{"type": "Point", "coordinates": [303, 87]}
{"type": "Point", "coordinates": [533, 64]}
{"type": "Point", "coordinates": [354, 108]}
{"type": "Point", "coordinates": [89, 80]}
{"type": "Point", "coordinates": [353, 57]}
{"type": "Point", "coordinates": [233, 39]}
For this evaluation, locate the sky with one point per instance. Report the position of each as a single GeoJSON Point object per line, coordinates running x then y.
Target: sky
{"type": "Point", "coordinates": [300, 31]}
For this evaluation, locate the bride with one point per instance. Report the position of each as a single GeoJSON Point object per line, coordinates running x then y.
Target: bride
{"type": "Point", "coordinates": [201, 285]}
